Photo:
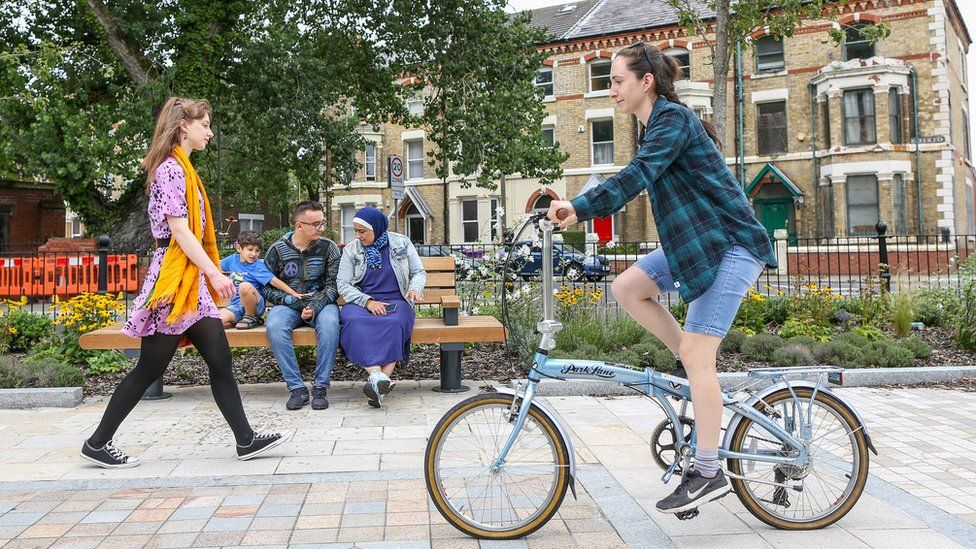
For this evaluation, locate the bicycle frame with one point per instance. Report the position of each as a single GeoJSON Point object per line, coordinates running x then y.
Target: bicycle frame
{"type": "Point", "coordinates": [651, 383]}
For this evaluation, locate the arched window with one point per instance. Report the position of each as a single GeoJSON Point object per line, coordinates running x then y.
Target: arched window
{"type": "Point", "coordinates": [542, 203]}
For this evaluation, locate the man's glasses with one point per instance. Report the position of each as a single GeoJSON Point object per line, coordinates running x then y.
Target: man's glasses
{"type": "Point", "coordinates": [319, 226]}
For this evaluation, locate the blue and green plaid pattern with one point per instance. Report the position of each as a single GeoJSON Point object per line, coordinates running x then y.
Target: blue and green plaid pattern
{"type": "Point", "coordinates": [699, 207]}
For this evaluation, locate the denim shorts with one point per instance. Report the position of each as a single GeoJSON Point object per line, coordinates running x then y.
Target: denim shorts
{"type": "Point", "coordinates": [714, 311]}
{"type": "Point", "coordinates": [235, 306]}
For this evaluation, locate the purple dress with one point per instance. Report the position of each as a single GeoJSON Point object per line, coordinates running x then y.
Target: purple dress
{"type": "Point", "coordinates": [167, 196]}
{"type": "Point", "coordinates": [370, 340]}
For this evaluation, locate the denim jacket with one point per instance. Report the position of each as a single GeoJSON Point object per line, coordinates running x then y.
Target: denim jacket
{"type": "Point", "coordinates": [407, 268]}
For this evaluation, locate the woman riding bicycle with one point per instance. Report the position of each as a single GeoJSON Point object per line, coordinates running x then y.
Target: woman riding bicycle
{"type": "Point", "coordinates": [712, 246]}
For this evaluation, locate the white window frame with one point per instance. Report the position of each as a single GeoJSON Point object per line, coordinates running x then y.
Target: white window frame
{"type": "Point", "coordinates": [412, 160]}
{"type": "Point", "coordinates": [674, 52]}
{"type": "Point", "coordinates": [369, 162]}
{"type": "Point", "coordinates": [551, 83]}
{"type": "Point", "coordinates": [346, 231]}
{"type": "Point", "coordinates": [415, 106]}
{"type": "Point", "coordinates": [598, 63]}
{"type": "Point", "coordinates": [593, 143]}
{"type": "Point", "coordinates": [467, 222]}
{"type": "Point", "coordinates": [551, 129]}
{"type": "Point", "coordinates": [493, 218]}
{"type": "Point", "coordinates": [250, 218]}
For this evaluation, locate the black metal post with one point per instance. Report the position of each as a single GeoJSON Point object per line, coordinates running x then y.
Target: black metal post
{"type": "Point", "coordinates": [883, 267]}
{"type": "Point", "coordinates": [104, 242]}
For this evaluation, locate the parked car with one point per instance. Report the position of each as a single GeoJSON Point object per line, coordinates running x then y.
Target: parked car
{"type": "Point", "coordinates": [566, 260]}
{"type": "Point", "coordinates": [465, 266]}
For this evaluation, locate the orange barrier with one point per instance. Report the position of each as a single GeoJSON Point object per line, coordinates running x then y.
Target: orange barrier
{"type": "Point", "coordinates": [65, 275]}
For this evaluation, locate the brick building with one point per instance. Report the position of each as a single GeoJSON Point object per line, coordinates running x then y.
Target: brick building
{"type": "Point", "coordinates": [829, 131]}
{"type": "Point", "coordinates": [30, 213]}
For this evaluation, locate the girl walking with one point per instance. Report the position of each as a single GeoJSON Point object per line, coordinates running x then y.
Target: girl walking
{"type": "Point", "coordinates": [181, 289]}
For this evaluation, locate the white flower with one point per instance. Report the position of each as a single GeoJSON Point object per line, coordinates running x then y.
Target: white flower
{"type": "Point", "coordinates": [611, 245]}
{"type": "Point", "coordinates": [499, 212]}
{"type": "Point", "coordinates": [474, 310]}
{"type": "Point", "coordinates": [523, 251]}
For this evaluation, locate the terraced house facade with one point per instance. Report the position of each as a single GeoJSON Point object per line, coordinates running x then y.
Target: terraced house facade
{"type": "Point", "coordinates": [835, 138]}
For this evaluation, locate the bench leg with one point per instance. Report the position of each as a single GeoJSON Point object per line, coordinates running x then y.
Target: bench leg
{"type": "Point", "coordinates": [155, 391]}
{"type": "Point", "coordinates": [451, 369]}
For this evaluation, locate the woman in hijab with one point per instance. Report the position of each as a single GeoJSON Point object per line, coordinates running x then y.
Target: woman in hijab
{"type": "Point", "coordinates": [380, 278]}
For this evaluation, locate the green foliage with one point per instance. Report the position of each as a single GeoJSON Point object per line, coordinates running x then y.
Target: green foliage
{"type": "Point", "coordinates": [751, 317]}
{"type": "Point", "coordinates": [839, 353]}
{"type": "Point", "coordinates": [870, 332]}
{"type": "Point", "coordinates": [917, 346]}
{"type": "Point", "coordinates": [733, 341]}
{"type": "Point", "coordinates": [663, 360]}
{"type": "Point", "coordinates": [106, 362]}
{"type": "Point", "coordinates": [777, 309]}
{"type": "Point", "coordinates": [794, 327]}
{"type": "Point", "coordinates": [935, 306]}
{"type": "Point", "coordinates": [804, 340]}
{"type": "Point", "coordinates": [853, 338]}
{"type": "Point", "coordinates": [39, 372]}
{"type": "Point", "coordinates": [576, 239]}
{"type": "Point", "coordinates": [886, 354]}
{"type": "Point", "coordinates": [793, 355]}
{"type": "Point", "coordinates": [966, 319]}
{"type": "Point", "coordinates": [680, 311]}
{"type": "Point", "coordinates": [901, 303]}
{"type": "Point", "coordinates": [761, 346]}
{"type": "Point", "coordinates": [272, 235]}
{"type": "Point", "coordinates": [28, 329]}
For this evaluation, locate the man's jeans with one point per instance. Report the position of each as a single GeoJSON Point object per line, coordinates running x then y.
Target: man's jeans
{"type": "Point", "coordinates": [282, 321]}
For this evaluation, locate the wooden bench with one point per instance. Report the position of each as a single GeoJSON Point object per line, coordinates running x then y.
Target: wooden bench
{"type": "Point", "coordinates": [451, 331]}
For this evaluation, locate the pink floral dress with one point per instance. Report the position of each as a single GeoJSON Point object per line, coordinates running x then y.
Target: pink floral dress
{"type": "Point", "coordinates": [167, 196]}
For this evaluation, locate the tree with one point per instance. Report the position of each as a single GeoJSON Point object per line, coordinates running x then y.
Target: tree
{"type": "Point", "coordinates": [474, 65]}
{"type": "Point", "coordinates": [732, 21]}
{"type": "Point", "coordinates": [80, 82]}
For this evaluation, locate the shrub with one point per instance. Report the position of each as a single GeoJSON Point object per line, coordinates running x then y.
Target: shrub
{"type": "Point", "coordinates": [804, 340]}
{"type": "Point", "coordinates": [751, 313]}
{"type": "Point", "coordinates": [901, 303]}
{"type": "Point", "coordinates": [82, 314]}
{"type": "Point", "coordinates": [966, 319]}
{"type": "Point", "coordinates": [777, 309]}
{"type": "Point", "coordinates": [870, 332]}
{"type": "Point", "coordinates": [812, 302]}
{"type": "Point", "coordinates": [839, 353]}
{"type": "Point", "coordinates": [796, 327]}
{"type": "Point", "coordinates": [917, 346]}
{"type": "Point", "coordinates": [761, 346]}
{"type": "Point", "coordinates": [793, 355]}
{"type": "Point", "coordinates": [935, 306]}
{"type": "Point", "coordinates": [733, 341]}
{"type": "Point", "coordinates": [106, 362]}
{"type": "Point", "coordinates": [44, 372]}
{"type": "Point", "coordinates": [680, 311]}
{"type": "Point", "coordinates": [28, 329]}
{"type": "Point", "coordinates": [663, 360]}
{"type": "Point", "coordinates": [886, 354]}
{"type": "Point", "coordinates": [852, 338]}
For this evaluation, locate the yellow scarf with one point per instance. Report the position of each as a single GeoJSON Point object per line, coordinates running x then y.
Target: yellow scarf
{"type": "Point", "coordinates": [179, 279]}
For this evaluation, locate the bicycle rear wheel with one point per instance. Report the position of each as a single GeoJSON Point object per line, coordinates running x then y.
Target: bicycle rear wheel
{"type": "Point", "coordinates": [517, 499]}
{"type": "Point", "coordinates": [810, 497]}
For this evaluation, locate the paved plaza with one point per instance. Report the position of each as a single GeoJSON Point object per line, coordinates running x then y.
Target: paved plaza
{"type": "Point", "coordinates": [352, 476]}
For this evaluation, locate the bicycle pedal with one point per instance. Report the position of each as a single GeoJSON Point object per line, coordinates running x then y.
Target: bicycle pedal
{"type": "Point", "coordinates": [687, 515]}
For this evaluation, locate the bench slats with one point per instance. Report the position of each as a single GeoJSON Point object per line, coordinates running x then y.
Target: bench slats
{"type": "Point", "coordinates": [434, 264]}
{"type": "Point", "coordinates": [440, 280]}
{"type": "Point", "coordinates": [425, 330]}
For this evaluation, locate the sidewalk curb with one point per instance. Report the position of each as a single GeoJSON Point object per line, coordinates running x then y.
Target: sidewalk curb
{"type": "Point", "coordinates": [854, 377]}
{"type": "Point", "coordinates": [45, 397]}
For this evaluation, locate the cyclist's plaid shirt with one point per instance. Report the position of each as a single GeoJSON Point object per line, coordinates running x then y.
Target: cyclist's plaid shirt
{"type": "Point", "coordinates": [699, 207]}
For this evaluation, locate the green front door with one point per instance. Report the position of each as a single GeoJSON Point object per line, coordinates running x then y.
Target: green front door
{"type": "Point", "coordinates": [776, 213]}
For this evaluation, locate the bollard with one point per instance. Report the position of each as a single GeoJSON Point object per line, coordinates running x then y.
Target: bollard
{"type": "Point", "coordinates": [104, 242]}
{"type": "Point", "coordinates": [884, 270]}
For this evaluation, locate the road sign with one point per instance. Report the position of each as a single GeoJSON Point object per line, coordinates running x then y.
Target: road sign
{"type": "Point", "coordinates": [396, 176]}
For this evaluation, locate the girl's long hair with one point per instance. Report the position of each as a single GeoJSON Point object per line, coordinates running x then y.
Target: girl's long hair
{"type": "Point", "coordinates": [643, 58]}
{"type": "Point", "coordinates": [167, 134]}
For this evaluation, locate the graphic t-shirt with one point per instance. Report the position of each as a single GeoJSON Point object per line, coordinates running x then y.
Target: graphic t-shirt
{"type": "Point", "coordinates": [256, 273]}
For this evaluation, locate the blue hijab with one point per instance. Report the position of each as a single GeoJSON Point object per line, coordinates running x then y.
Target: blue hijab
{"type": "Point", "coordinates": [374, 219]}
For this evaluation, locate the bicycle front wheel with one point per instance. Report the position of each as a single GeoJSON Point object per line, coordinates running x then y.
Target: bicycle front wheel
{"type": "Point", "coordinates": [516, 499]}
{"type": "Point", "coordinates": [809, 497]}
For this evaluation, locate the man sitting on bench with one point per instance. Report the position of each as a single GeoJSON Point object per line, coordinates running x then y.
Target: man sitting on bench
{"type": "Point", "coordinates": [307, 262]}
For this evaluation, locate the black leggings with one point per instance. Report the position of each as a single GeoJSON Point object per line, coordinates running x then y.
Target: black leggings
{"type": "Point", "coordinates": [157, 350]}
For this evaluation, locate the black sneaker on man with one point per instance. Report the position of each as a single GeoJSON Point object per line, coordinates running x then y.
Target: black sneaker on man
{"type": "Point", "coordinates": [298, 400]}
{"type": "Point", "coordinates": [319, 400]}
{"type": "Point", "coordinates": [695, 491]}
{"type": "Point", "coordinates": [260, 443]}
{"type": "Point", "coordinates": [108, 456]}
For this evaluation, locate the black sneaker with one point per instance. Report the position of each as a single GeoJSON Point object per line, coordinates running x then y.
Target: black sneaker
{"type": "Point", "coordinates": [298, 400]}
{"type": "Point", "coordinates": [373, 396]}
{"type": "Point", "coordinates": [108, 456]}
{"type": "Point", "coordinates": [319, 401]}
{"type": "Point", "coordinates": [261, 443]}
{"type": "Point", "coordinates": [694, 491]}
